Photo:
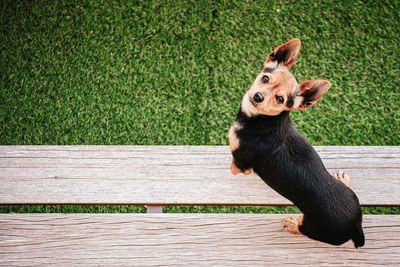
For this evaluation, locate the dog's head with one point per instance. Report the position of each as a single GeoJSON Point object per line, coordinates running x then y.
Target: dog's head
{"type": "Point", "coordinates": [275, 89]}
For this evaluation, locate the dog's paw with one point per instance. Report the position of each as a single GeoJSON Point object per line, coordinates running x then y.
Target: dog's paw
{"type": "Point", "coordinates": [234, 169]}
{"type": "Point", "coordinates": [292, 225]}
{"type": "Point", "coordinates": [248, 172]}
{"type": "Point", "coordinates": [344, 178]}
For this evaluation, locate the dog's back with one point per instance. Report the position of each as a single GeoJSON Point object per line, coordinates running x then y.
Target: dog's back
{"type": "Point", "coordinates": [291, 166]}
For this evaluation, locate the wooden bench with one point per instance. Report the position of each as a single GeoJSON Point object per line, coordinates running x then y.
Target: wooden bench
{"type": "Point", "coordinates": [178, 175]}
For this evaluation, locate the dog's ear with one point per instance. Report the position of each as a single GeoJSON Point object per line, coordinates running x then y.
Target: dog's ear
{"type": "Point", "coordinates": [310, 92]}
{"type": "Point", "coordinates": [285, 54]}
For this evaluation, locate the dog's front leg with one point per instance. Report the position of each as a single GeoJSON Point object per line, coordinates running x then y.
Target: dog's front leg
{"type": "Point", "coordinates": [236, 170]}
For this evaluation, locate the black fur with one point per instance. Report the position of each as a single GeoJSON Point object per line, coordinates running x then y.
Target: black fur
{"type": "Point", "coordinates": [280, 56]}
{"type": "Point", "coordinates": [268, 69]}
{"type": "Point", "coordinates": [290, 101]}
{"type": "Point", "coordinates": [273, 148]}
{"type": "Point", "coordinates": [308, 97]}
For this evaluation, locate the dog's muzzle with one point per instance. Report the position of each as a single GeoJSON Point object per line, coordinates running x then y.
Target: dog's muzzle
{"type": "Point", "coordinates": [258, 98]}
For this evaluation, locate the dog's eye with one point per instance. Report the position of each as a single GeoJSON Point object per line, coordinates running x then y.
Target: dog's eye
{"type": "Point", "coordinates": [264, 79]}
{"type": "Point", "coordinates": [279, 99]}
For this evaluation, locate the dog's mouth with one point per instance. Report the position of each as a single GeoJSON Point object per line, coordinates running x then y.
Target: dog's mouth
{"type": "Point", "coordinates": [253, 102]}
{"type": "Point", "coordinates": [256, 99]}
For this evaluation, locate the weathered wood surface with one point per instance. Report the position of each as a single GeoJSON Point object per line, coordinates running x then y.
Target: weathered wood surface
{"type": "Point", "coordinates": [172, 175]}
{"type": "Point", "coordinates": [183, 240]}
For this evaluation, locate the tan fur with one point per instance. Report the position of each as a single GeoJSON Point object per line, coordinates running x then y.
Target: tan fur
{"type": "Point", "coordinates": [292, 225]}
{"type": "Point", "coordinates": [248, 172]}
{"type": "Point", "coordinates": [306, 85]}
{"type": "Point", "coordinates": [297, 102]}
{"type": "Point", "coordinates": [233, 140]}
{"type": "Point", "coordinates": [233, 145]}
{"type": "Point", "coordinates": [248, 107]}
{"type": "Point", "coordinates": [235, 170]}
{"type": "Point", "coordinates": [343, 177]}
{"type": "Point", "coordinates": [281, 83]}
{"type": "Point", "coordinates": [293, 46]}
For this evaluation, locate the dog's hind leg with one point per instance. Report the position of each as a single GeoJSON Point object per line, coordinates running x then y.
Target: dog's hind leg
{"type": "Point", "coordinates": [344, 178]}
{"type": "Point", "coordinates": [292, 225]}
{"type": "Point", "coordinates": [303, 226]}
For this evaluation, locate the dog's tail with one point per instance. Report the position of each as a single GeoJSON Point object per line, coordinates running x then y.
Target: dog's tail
{"type": "Point", "coordinates": [358, 236]}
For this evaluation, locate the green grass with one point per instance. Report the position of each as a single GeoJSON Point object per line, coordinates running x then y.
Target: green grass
{"type": "Point", "coordinates": [169, 209]}
{"type": "Point", "coordinates": [173, 72]}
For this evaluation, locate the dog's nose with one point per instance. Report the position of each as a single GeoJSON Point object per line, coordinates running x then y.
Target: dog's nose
{"type": "Point", "coordinates": [258, 97]}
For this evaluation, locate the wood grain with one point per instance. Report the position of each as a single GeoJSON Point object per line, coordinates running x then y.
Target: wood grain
{"type": "Point", "coordinates": [183, 240]}
{"type": "Point", "coordinates": [172, 175]}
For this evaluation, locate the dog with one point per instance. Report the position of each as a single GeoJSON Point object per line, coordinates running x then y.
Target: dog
{"type": "Point", "coordinates": [263, 140]}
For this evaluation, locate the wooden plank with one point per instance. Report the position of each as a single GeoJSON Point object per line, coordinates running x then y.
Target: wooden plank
{"type": "Point", "coordinates": [183, 240]}
{"type": "Point", "coordinates": [161, 175]}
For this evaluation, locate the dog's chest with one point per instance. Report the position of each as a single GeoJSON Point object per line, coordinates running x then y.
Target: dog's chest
{"type": "Point", "coordinates": [233, 138]}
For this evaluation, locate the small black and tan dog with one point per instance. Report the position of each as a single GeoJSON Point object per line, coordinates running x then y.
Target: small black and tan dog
{"type": "Point", "coordinates": [264, 140]}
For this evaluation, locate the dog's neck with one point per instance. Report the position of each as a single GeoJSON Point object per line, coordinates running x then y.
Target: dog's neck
{"type": "Point", "coordinates": [263, 123]}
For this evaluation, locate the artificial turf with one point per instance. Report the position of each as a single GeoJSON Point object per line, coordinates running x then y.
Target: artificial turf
{"type": "Point", "coordinates": [173, 72]}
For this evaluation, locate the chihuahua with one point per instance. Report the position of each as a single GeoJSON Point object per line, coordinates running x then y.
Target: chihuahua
{"type": "Point", "coordinates": [265, 141]}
